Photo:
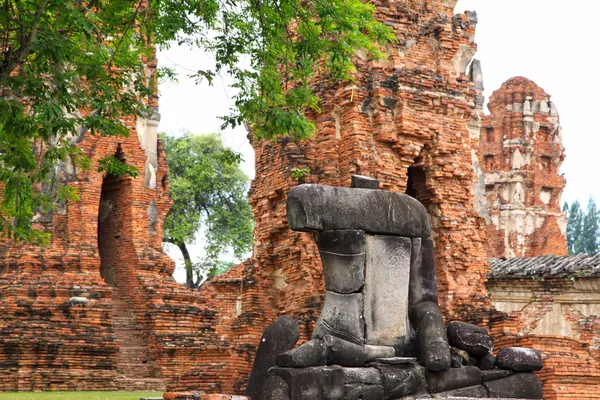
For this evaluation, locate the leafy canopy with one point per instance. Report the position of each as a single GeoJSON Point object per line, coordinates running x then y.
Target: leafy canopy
{"type": "Point", "coordinates": [71, 67]}
{"type": "Point", "coordinates": [209, 193]}
{"type": "Point", "coordinates": [66, 68]}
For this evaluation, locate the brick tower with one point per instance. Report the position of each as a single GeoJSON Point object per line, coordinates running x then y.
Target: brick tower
{"type": "Point", "coordinates": [521, 152]}
{"type": "Point", "coordinates": [406, 121]}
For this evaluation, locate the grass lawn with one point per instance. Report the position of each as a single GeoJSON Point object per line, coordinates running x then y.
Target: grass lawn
{"type": "Point", "coordinates": [78, 395]}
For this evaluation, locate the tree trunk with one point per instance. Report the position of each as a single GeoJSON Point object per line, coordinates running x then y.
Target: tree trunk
{"type": "Point", "coordinates": [189, 272]}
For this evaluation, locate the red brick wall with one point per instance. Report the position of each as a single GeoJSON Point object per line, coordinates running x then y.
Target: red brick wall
{"type": "Point", "coordinates": [558, 316]}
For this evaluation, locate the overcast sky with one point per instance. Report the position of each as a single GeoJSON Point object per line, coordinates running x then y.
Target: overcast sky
{"type": "Point", "coordinates": [552, 42]}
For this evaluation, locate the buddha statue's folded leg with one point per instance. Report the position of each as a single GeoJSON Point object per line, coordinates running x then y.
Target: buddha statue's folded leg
{"type": "Point", "coordinates": [433, 351]}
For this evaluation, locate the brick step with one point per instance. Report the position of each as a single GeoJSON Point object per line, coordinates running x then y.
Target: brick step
{"type": "Point", "coordinates": [142, 384]}
{"type": "Point", "coordinates": [132, 372]}
{"type": "Point", "coordinates": [133, 359]}
{"type": "Point", "coordinates": [141, 359]}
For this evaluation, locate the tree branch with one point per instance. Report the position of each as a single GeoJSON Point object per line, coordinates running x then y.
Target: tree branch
{"type": "Point", "coordinates": [26, 44]}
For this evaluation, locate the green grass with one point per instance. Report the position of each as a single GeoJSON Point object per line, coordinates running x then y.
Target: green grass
{"type": "Point", "coordinates": [78, 395]}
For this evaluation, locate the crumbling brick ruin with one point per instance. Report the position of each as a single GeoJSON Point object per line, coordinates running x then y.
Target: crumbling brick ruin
{"type": "Point", "coordinates": [553, 305]}
{"type": "Point", "coordinates": [99, 309]}
{"type": "Point", "coordinates": [521, 150]}
{"type": "Point", "coordinates": [406, 121]}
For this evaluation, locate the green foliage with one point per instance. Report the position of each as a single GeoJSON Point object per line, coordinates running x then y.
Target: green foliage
{"type": "Point", "coordinates": [111, 165]}
{"type": "Point", "coordinates": [209, 194]}
{"type": "Point", "coordinates": [71, 67]}
{"type": "Point", "coordinates": [65, 67]}
{"type": "Point", "coordinates": [591, 229]}
{"type": "Point", "coordinates": [583, 228]}
{"type": "Point", "coordinates": [284, 43]}
{"type": "Point", "coordinates": [300, 174]}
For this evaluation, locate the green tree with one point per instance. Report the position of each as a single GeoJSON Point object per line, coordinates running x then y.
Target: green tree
{"type": "Point", "coordinates": [591, 229]}
{"type": "Point", "coordinates": [209, 194]}
{"type": "Point", "coordinates": [69, 67]}
{"type": "Point", "coordinates": [575, 229]}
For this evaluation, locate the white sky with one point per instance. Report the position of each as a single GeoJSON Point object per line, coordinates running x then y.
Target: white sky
{"type": "Point", "coordinates": [552, 42]}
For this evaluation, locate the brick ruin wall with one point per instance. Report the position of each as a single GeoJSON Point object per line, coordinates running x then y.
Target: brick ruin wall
{"type": "Point", "coordinates": [99, 309]}
{"type": "Point", "coordinates": [412, 121]}
{"type": "Point", "coordinates": [560, 316]}
{"type": "Point", "coordinates": [521, 151]}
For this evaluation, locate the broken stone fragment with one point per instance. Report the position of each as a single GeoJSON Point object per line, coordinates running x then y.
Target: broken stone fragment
{"type": "Point", "coordinates": [279, 337]}
{"type": "Point", "coordinates": [486, 362]}
{"type": "Point", "coordinates": [311, 353]}
{"type": "Point", "coordinates": [471, 338]}
{"type": "Point", "coordinates": [401, 380]}
{"type": "Point", "coordinates": [459, 357]}
{"type": "Point", "coordinates": [521, 386]}
{"type": "Point", "coordinates": [519, 359]}
{"type": "Point", "coordinates": [454, 378]}
{"type": "Point", "coordinates": [455, 361]}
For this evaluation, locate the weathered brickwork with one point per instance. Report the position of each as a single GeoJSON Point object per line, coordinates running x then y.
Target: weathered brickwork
{"type": "Point", "coordinates": [552, 304]}
{"type": "Point", "coordinates": [521, 152]}
{"type": "Point", "coordinates": [406, 121]}
{"type": "Point", "coordinates": [99, 308]}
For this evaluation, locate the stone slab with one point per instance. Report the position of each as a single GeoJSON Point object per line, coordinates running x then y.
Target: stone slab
{"type": "Point", "coordinates": [522, 385]}
{"type": "Point", "coordinates": [387, 274]}
{"type": "Point", "coordinates": [312, 208]}
{"type": "Point", "coordinates": [315, 383]}
{"type": "Point", "coordinates": [402, 380]}
{"type": "Point", "coordinates": [476, 392]}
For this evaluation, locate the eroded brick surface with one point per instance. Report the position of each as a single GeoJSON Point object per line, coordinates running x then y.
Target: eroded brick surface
{"type": "Point", "coordinates": [521, 152]}
{"type": "Point", "coordinates": [406, 121]}
{"type": "Point", "coordinates": [413, 121]}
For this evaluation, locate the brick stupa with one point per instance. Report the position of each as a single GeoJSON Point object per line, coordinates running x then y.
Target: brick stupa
{"type": "Point", "coordinates": [521, 148]}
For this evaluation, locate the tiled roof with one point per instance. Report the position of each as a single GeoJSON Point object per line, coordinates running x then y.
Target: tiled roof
{"type": "Point", "coordinates": [581, 265]}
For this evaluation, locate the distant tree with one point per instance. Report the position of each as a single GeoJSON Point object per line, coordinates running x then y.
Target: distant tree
{"type": "Point", "coordinates": [591, 229]}
{"type": "Point", "coordinates": [575, 229]}
{"type": "Point", "coordinates": [209, 194]}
